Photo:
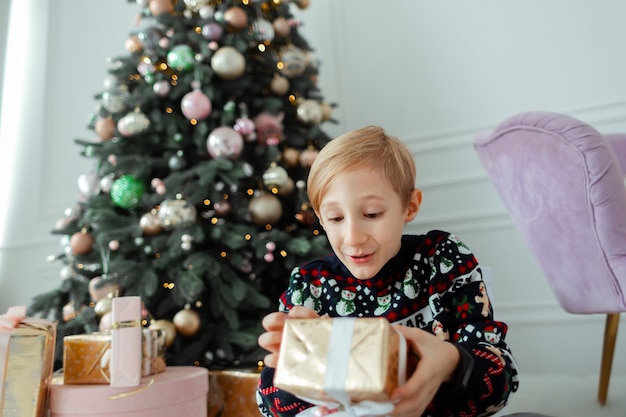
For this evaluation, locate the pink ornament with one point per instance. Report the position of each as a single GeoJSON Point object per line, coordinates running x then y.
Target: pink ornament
{"type": "Point", "coordinates": [112, 159]}
{"type": "Point", "coordinates": [164, 43]}
{"type": "Point", "coordinates": [161, 88]}
{"type": "Point", "coordinates": [114, 245]}
{"type": "Point", "coordinates": [161, 189]}
{"type": "Point", "coordinates": [244, 125]}
{"type": "Point", "coordinates": [195, 105]}
{"type": "Point", "coordinates": [269, 128]}
{"type": "Point", "coordinates": [225, 142]}
{"type": "Point", "coordinates": [155, 182]}
{"type": "Point", "coordinates": [212, 31]}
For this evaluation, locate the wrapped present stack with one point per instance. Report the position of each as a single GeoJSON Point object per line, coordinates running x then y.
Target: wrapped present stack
{"type": "Point", "coordinates": [26, 363]}
{"type": "Point", "coordinates": [123, 372]}
{"type": "Point", "coordinates": [343, 363]}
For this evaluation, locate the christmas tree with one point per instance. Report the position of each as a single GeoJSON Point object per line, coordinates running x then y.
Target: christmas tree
{"type": "Point", "coordinates": [202, 139]}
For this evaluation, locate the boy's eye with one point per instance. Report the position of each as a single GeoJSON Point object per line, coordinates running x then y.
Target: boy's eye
{"type": "Point", "coordinates": [335, 219]}
{"type": "Point", "coordinates": [373, 215]}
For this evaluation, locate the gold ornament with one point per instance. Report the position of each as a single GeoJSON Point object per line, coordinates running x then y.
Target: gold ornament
{"type": "Point", "coordinates": [281, 26]}
{"type": "Point", "coordinates": [279, 85]}
{"type": "Point", "coordinates": [133, 44]}
{"type": "Point", "coordinates": [265, 208]}
{"type": "Point", "coordinates": [98, 292]}
{"type": "Point", "coordinates": [157, 7]}
{"type": "Point", "coordinates": [69, 312]}
{"type": "Point", "coordinates": [287, 188]}
{"type": "Point", "coordinates": [291, 156]}
{"type": "Point", "coordinates": [81, 243]}
{"type": "Point", "coordinates": [150, 224]}
{"type": "Point", "coordinates": [187, 322]}
{"type": "Point", "coordinates": [105, 128]}
{"type": "Point", "coordinates": [302, 4]}
{"type": "Point", "coordinates": [169, 329]}
{"type": "Point", "coordinates": [307, 157]}
{"type": "Point", "coordinates": [237, 18]}
{"type": "Point", "coordinates": [326, 111]}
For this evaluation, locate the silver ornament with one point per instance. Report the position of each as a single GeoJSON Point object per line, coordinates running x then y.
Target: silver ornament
{"type": "Point", "coordinates": [195, 5]}
{"type": "Point", "coordinates": [263, 30]}
{"type": "Point", "coordinates": [275, 176]}
{"type": "Point", "coordinates": [133, 124]}
{"type": "Point", "coordinates": [176, 213]}
{"type": "Point", "coordinates": [228, 63]}
{"type": "Point", "coordinates": [309, 112]}
{"type": "Point", "coordinates": [294, 61]}
{"type": "Point", "coordinates": [89, 184]}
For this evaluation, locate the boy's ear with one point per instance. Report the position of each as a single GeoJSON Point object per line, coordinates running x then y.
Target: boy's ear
{"type": "Point", "coordinates": [414, 205]}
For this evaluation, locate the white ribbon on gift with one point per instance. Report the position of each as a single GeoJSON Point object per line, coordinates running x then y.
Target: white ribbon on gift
{"type": "Point", "coordinates": [337, 361]}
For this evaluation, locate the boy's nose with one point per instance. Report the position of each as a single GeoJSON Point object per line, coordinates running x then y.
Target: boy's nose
{"type": "Point", "coordinates": [355, 233]}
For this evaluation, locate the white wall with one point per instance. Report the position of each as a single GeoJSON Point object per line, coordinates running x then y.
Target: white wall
{"type": "Point", "coordinates": [432, 73]}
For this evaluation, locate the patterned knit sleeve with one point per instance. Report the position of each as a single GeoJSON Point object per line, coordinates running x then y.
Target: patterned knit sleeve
{"type": "Point", "coordinates": [272, 401]}
{"type": "Point", "coordinates": [464, 313]}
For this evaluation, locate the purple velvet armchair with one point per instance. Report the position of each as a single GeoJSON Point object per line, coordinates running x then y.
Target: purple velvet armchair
{"type": "Point", "coordinates": [563, 185]}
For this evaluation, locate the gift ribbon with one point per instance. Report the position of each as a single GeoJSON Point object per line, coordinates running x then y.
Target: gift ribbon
{"type": "Point", "coordinates": [125, 324]}
{"type": "Point", "coordinates": [337, 361]}
{"type": "Point", "coordinates": [133, 392]}
{"type": "Point", "coordinates": [8, 322]}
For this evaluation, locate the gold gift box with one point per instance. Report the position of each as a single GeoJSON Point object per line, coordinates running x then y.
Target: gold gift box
{"type": "Point", "coordinates": [28, 370]}
{"type": "Point", "coordinates": [86, 357]}
{"type": "Point", "coordinates": [371, 361]}
{"type": "Point", "coordinates": [232, 393]}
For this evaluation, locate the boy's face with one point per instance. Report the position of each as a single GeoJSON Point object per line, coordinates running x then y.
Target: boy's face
{"type": "Point", "coordinates": [364, 220]}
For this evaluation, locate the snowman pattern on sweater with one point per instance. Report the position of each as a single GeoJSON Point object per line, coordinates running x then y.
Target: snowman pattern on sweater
{"type": "Point", "coordinates": [433, 283]}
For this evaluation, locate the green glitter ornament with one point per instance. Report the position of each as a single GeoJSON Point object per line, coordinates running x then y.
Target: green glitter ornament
{"type": "Point", "coordinates": [126, 191]}
{"type": "Point", "coordinates": [181, 57]}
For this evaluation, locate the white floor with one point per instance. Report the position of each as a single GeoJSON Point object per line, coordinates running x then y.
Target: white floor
{"type": "Point", "coordinates": [567, 396]}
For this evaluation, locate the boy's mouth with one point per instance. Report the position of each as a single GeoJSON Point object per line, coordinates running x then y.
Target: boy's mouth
{"type": "Point", "coordinates": [360, 258]}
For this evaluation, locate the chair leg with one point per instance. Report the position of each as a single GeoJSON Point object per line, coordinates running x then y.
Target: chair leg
{"type": "Point", "coordinates": [610, 335]}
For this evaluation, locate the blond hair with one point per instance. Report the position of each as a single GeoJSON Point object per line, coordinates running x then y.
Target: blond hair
{"type": "Point", "coordinates": [368, 147]}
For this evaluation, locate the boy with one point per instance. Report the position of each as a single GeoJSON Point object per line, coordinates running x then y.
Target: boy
{"type": "Point", "coordinates": [362, 188]}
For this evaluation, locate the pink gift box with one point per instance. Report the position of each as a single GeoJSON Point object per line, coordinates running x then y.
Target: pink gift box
{"type": "Point", "coordinates": [179, 391]}
{"type": "Point", "coordinates": [126, 344]}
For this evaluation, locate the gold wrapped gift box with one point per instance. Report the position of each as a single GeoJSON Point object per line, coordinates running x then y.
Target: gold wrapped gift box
{"type": "Point", "coordinates": [358, 357]}
{"type": "Point", "coordinates": [86, 357]}
{"type": "Point", "coordinates": [28, 369]}
{"type": "Point", "coordinates": [232, 393]}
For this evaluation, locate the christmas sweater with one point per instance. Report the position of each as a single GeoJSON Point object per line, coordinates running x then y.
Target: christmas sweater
{"type": "Point", "coordinates": [433, 283]}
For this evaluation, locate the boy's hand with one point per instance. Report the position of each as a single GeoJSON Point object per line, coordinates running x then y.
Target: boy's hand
{"type": "Point", "coordinates": [437, 363]}
{"type": "Point", "coordinates": [273, 324]}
